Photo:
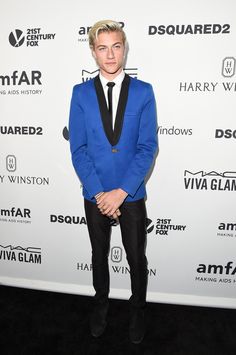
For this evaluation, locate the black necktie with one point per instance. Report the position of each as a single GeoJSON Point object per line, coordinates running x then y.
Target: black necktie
{"type": "Point", "coordinates": [110, 85]}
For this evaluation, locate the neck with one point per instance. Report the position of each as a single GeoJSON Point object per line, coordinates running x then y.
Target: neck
{"type": "Point", "coordinates": [110, 76]}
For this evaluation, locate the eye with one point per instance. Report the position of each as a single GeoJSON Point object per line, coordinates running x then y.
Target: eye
{"type": "Point", "coordinates": [117, 46]}
{"type": "Point", "coordinates": [101, 49]}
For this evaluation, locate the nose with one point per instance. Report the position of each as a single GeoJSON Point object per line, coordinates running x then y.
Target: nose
{"type": "Point", "coordinates": [110, 53]}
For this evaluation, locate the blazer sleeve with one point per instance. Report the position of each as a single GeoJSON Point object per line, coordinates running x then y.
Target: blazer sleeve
{"type": "Point", "coordinates": [82, 163]}
{"type": "Point", "coordinates": [147, 145]}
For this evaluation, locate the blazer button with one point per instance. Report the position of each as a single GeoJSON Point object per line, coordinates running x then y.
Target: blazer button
{"type": "Point", "coordinates": [114, 150]}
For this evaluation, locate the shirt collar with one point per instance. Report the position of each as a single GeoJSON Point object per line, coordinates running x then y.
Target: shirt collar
{"type": "Point", "coordinates": [117, 80]}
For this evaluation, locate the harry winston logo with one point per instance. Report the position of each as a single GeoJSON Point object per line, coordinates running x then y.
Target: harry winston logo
{"type": "Point", "coordinates": [228, 67]}
{"type": "Point", "coordinates": [11, 163]}
{"type": "Point", "coordinates": [116, 254]}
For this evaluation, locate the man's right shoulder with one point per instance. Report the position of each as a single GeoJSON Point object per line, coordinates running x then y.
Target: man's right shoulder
{"type": "Point", "coordinates": [82, 86]}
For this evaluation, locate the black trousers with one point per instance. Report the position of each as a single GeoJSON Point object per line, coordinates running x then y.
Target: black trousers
{"type": "Point", "coordinates": [133, 232]}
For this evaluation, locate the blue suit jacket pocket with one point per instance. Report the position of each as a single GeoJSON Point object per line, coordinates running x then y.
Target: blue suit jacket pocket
{"type": "Point", "coordinates": [132, 113]}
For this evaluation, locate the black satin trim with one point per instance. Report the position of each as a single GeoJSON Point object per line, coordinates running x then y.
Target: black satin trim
{"type": "Point", "coordinates": [112, 136]}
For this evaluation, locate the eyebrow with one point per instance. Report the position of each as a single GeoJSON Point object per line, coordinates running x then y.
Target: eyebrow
{"type": "Point", "coordinates": [103, 45]}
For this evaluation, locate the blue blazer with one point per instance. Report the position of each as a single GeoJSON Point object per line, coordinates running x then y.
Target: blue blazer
{"type": "Point", "coordinates": [105, 159]}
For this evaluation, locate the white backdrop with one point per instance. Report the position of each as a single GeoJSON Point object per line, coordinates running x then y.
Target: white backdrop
{"type": "Point", "coordinates": [186, 49]}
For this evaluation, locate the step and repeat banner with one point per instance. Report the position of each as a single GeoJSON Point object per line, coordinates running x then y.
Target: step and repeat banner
{"type": "Point", "coordinates": [186, 50]}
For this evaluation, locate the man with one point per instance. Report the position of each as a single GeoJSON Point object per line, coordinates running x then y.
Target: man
{"type": "Point", "coordinates": [113, 143]}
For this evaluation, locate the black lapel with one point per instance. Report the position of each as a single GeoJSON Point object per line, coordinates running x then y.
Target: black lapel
{"type": "Point", "coordinates": [113, 137]}
{"type": "Point", "coordinates": [121, 109]}
{"type": "Point", "coordinates": [106, 121]}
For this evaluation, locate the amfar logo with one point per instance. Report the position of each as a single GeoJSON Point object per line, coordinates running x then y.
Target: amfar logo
{"type": "Point", "coordinates": [197, 29]}
{"type": "Point", "coordinates": [15, 215]}
{"type": "Point", "coordinates": [227, 227]}
{"type": "Point", "coordinates": [19, 253]}
{"type": "Point", "coordinates": [84, 30]}
{"type": "Point", "coordinates": [228, 67]}
{"type": "Point", "coordinates": [227, 230]}
{"type": "Point", "coordinates": [228, 269]}
{"type": "Point", "coordinates": [216, 273]}
{"type": "Point", "coordinates": [212, 180]}
{"type": "Point", "coordinates": [33, 37]}
{"type": "Point", "coordinates": [19, 78]}
{"type": "Point", "coordinates": [116, 254]}
{"type": "Point", "coordinates": [15, 212]}
{"type": "Point", "coordinates": [225, 133]}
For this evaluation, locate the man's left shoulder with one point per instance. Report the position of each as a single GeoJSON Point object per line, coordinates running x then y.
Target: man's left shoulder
{"type": "Point", "coordinates": [140, 83]}
{"type": "Point", "coordinates": [141, 88]}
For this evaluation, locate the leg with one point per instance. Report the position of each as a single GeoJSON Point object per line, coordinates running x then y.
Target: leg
{"type": "Point", "coordinates": [133, 229]}
{"type": "Point", "coordinates": [99, 232]}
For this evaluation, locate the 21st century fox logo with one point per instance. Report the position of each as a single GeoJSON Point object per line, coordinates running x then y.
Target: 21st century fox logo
{"type": "Point", "coordinates": [32, 37]}
{"type": "Point", "coordinates": [163, 226]}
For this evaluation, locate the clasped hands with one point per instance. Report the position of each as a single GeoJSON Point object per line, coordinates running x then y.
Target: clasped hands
{"type": "Point", "coordinates": [109, 202]}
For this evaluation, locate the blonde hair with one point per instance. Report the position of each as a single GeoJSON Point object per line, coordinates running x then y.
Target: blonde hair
{"type": "Point", "coordinates": [105, 26]}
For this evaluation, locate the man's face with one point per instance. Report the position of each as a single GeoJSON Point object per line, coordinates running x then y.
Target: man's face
{"type": "Point", "coordinates": [109, 53]}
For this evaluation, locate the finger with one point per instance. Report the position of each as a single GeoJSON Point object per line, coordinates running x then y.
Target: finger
{"type": "Point", "coordinates": [114, 210]}
{"type": "Point", "coordinates": [104, 210]}
{"type": "Point", "coordinates": [101, 198]}
{"type": "Point", "coordinates": [102, 205]}
{"type": "Point", "coordinates": [118, 212]}
{"type": "Point", "coordinates": [108, 211]}
{"type": "Point", "coordinates": [101, 209]}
